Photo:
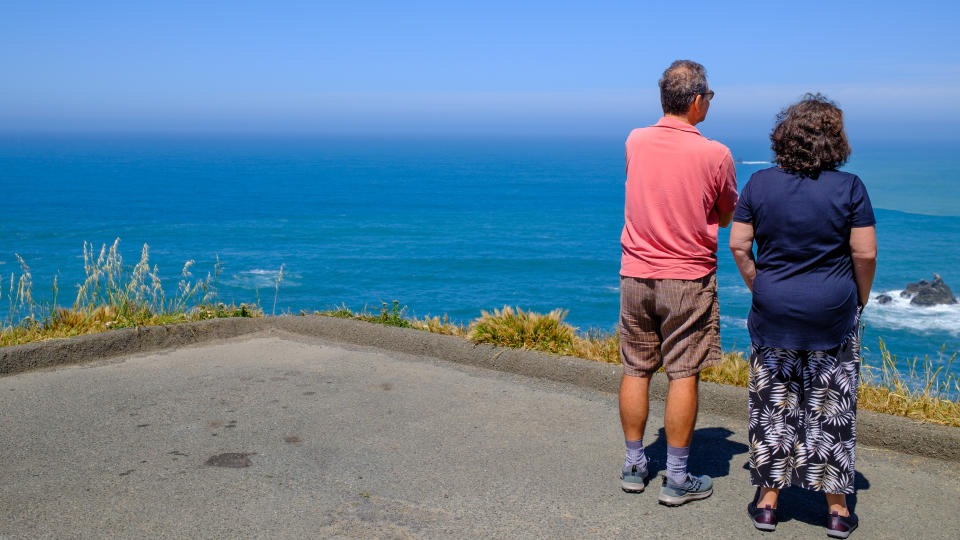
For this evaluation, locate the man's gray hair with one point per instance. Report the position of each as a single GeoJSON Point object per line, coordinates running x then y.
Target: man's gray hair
{"type": "Point", "coordinates": [680, 84]}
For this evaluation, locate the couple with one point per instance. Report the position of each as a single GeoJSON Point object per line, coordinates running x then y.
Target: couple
{"type": "Point", "coordinates": [815, 261]}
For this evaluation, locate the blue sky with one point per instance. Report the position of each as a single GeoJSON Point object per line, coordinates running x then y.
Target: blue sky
{"type": "Point", "coordinates": [468, 67]}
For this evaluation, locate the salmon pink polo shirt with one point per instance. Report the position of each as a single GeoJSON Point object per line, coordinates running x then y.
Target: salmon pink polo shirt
{"type": "Point", "coordinates": [678, 182]}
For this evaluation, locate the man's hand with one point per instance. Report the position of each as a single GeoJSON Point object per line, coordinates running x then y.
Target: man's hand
{"type": "Point", "coordinates": [725, 218]}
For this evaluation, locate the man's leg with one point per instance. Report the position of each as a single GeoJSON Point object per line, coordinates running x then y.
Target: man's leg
{"type": "Point", "coordinates": [640, 356]}
{"type": "Point", "coordinates": [679, 420]}
{"type": "Point", "coordinates": [633, 418]}
{"type": "Point", "coordinates": [634, 406]}
{"type": "Point", "coordinates": [680, 416]}
{"type": "Point", "coordinates": [691, 342]}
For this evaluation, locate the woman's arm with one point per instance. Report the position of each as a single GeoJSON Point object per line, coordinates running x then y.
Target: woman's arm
{"type": "Point", "coordinates": [741, 244]}
{"type": "Point", "coordinates": [863, 249]}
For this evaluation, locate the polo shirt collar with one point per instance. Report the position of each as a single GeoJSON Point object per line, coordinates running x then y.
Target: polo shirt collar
{"type": "Point", "coordinates": [673, 123]}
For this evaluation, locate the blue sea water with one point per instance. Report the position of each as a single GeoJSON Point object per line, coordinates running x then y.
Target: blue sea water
{"type": "Point", "coordinates": [445, 225]}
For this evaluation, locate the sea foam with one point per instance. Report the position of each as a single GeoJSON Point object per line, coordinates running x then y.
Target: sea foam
{"type": "Point", "coordinates": [259, 278]}
{"type": "Point", "coordinates": [899, 314]}
{"type": "Point", "coordinates": [732, 322]}
{"type": "Point", "coordinates": [739, 290]}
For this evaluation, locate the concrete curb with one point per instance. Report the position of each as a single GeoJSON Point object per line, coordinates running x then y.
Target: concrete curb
{"type": "Point", "coordinates": [873, 429]}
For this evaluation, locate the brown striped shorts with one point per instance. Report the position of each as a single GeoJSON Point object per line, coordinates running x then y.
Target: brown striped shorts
{"type": "Point", "coordinates": [669, 322]}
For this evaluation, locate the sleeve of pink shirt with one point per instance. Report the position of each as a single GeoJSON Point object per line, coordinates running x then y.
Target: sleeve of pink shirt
{"type": "Point", "coordinates": [727, 178]}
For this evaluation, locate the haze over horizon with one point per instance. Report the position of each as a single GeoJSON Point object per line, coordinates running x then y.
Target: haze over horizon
{"type": "Point", "coordinates": [490, 68]}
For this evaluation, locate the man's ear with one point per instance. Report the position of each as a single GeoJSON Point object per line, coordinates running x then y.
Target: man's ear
{"type": "Point", "coordinates": [698, 102]}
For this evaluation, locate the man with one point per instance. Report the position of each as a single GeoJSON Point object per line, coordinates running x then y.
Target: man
{"type": "Point", "coordinates": [680, 187]}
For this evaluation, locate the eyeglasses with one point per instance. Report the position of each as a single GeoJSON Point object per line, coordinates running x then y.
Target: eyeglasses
{"type": "Point", "coordinates": [708, 94]}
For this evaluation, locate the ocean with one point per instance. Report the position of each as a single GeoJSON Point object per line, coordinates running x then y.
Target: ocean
{"type": "Point", "coordinates": [444, 225]}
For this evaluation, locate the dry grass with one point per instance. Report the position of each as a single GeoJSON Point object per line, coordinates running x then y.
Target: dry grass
{"type": "Point", "coordinates": [597, 345]}
{"type": "Point", "coordinates": [923, 392]}
{"type": "Point", "coordinates": [513, 327]}
{"type": "Point", "coordinates": [733, 369]}
{"type": "Point", "coordinates": [391, 314]}
{"type": "Point", "coordinates": [113, 296]}
{"type": "Point", "coordinates": [439, 325]}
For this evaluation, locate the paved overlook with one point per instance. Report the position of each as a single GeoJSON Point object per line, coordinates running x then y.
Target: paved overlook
{"type": "Point", "coordinates": [283, 436]}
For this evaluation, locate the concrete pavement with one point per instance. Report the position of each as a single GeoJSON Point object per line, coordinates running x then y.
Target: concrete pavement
{"type": "Point", "coordinates": [348, 441]}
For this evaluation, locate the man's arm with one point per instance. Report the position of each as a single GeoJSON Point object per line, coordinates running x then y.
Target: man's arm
{"type": "Point", "coordinates": [741, 244]}
{"type": "Point", "coordinates": [727, 195]}
{"type": "Point", "coordinates": [725, 218]}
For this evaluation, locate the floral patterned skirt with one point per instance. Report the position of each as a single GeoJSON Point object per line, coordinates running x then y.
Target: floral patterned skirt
{"type": "Point", "coordinates": [803, 412]}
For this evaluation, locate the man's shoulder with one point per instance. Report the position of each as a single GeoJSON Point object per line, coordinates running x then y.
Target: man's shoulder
{"type": "Point", "coordinates": [715, 148]}
{"type": "Point", "coordinates": [692, 140]}
{"type": "Point", "coordinates": [641, 132]}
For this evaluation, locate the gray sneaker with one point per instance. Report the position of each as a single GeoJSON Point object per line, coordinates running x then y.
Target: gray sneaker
{"type": "Point", "coordinates": [633, 479]}
{"type": "Point", "coordinates": [694, 488]}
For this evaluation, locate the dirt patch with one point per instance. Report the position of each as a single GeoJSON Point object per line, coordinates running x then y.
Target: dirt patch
{"type": "Point", "coordinates": [233, 460]}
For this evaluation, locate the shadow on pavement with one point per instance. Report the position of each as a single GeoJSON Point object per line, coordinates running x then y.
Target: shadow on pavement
{"type": "Point", "coordinates": [710, 452]}
{"type": "Point", "coordinates": [811, 506]}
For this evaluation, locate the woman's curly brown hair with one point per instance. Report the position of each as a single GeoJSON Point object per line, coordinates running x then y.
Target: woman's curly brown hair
{"type": "Point", "coordinates": [809, 137]}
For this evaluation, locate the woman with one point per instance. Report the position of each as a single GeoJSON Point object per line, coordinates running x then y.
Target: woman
{"type": "Point", "coordinates": [815, 261]}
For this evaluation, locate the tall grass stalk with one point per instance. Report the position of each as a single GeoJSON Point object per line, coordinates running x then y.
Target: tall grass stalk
{"type": "Point", "coordinates": [113, 295]}
{"type": "Point", "coordinates": [276, 289]}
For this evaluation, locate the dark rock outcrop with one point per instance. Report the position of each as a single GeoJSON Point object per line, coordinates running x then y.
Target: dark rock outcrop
{"type": "Point", "coordinates": [913, 288]}
{"type": "Point", "coordinates": [883, 299]}
{"type": "Point", "coordinates": [929, 293]}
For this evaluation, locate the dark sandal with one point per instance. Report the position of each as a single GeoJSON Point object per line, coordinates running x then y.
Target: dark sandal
{"type": "Point", "coordinates": [841, 526]}
{"type": "Point", "coordinates": [764, 519]}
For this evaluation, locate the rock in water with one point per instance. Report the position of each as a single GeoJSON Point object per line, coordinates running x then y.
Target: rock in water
{"type": "Point", "coordinates": [883, 299]}
{"type": "Point", "coordinates": [914, 288]}
{"type": "Point", "coordinates": [924, 293]}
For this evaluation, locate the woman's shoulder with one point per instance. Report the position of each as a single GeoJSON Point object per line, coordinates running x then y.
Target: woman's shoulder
{"type": "Point", "coordinates": [767, 173]}
{"type": "Point", "coordinates": [766, 177]}
{"type": "Point", "coordinates": [771, 175]}
{"type": "Point", "coordinates": [844, 184]}
{"type": "Point", "coordinates": [841, 176]}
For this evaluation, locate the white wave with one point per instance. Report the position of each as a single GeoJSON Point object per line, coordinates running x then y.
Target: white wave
{"type": "Point", "coordinates": [732, 322]}
{"type": "Point", "coordinates": [899, 314]}
{"type": "Point", "coordinates": [260, 278]}
{"type": "Point", "coordinates": [261, 272]}
{"type": "Point", "coordinates": [611, 288]}
{"type": "Point", "coordinates": [742, 162]}
{"type": "Point", "coordinates": [741, 290]}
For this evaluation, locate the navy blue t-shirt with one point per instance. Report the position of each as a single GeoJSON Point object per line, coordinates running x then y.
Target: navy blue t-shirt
{"type": "Point", "coordinates": [804, 295]}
